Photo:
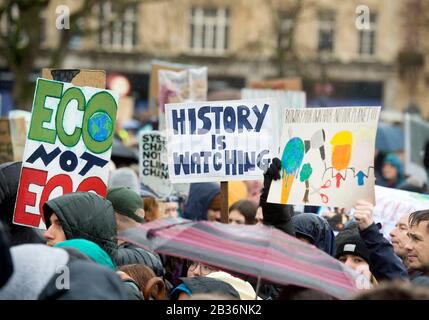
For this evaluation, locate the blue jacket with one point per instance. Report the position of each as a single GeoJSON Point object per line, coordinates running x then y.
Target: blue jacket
{"type": "Point", "coordinates": [384, 263]}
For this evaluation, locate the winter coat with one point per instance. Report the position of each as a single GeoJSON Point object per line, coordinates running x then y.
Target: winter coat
{"type": "Point", "coordinates": [131, 254]}
{"type": "Point", "coordinates": [35, 265]}
{"type": "Point", "coordinates": [6, 266]}
{"type": "Point", "coordinates": [88, 281]}
{"type": "Point", "coordinates": [9, 181]}
{"type": "Point", "coordinates": [384, 263]}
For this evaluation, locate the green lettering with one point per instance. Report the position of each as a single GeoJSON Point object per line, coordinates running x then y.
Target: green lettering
{"type": "Point", "coordinates": [73, 93]}
{"type": "Point", "coordinates": [40, 115]}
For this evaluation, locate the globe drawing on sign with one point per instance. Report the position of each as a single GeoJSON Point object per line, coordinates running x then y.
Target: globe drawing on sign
{"type": "Point", "coordinates": [100, 126]}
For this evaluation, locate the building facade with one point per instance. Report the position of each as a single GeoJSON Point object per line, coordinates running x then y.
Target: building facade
{"type": "Point", "coordinates": [245, 40]}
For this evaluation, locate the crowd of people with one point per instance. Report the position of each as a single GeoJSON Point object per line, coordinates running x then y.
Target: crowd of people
{"type": "Point", "coordinates": [82, 228]}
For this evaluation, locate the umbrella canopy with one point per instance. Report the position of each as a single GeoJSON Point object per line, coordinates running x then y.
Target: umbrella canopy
{"type": "Point", "coordinates": [256, 250]}
{"type": "Point", "coordinates": [390, 138]}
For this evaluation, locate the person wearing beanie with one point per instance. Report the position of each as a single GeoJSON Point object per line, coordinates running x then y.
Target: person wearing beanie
{"type": "Point", "coordinates": [351, 250]}
{"type": "Point", "coordinates": [128, 206]}
{"type": "Point", "coordinates": [124, 177]}
{"type": "Point", "coordinates": [363, 247]}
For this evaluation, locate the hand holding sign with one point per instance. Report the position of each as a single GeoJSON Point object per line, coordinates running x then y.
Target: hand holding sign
{"type": "Point", "coordinates": [363, 214]}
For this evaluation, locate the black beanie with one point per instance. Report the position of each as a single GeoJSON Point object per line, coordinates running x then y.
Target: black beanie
{"type": "Point", "coordinates": [350, 242]}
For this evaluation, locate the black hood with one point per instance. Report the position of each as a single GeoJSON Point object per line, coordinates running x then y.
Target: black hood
{"type": "Point", "coordinates": [316, 229]}
{"type": "Point", "coordinates": [6, 266]}
{"type": "Point", "coordinates": [9, 180]}
{"type": "Point", "coordinates": [88, 281]}
{"type": "Point", "coordinates": [87, 216]}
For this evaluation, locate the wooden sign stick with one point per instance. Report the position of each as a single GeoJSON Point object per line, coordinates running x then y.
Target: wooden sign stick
{"type": "Point", "coordinates": [224, 215]}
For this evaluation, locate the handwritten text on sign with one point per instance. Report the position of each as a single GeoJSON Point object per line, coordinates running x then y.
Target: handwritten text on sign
{"type": "Point", "coordinates": [68, 147]}
{"type": "Point", "coordinates": [220, 140]}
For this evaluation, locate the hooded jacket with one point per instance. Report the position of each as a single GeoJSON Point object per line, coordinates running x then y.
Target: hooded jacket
{"type": "Point", "coordinates": [87, 216]}
{"type": "Point", "coordinates": [317, 230]}
{"type": "Point", "coordinates": [394, 160]}
{"type": "Point", "coordinates": [199, 199]}
{"type": "Point", "coordinates": [6, 266]}
{"type": "Point", "coordinates": [131, 254]}
{"type": "Point", "coordinates": [88, 281]}
{"type": "Point", "coordinates": [9, 181]}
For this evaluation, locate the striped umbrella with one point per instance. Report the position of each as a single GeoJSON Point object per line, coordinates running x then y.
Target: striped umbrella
{"type": "Point", "coordinates": [259, 251]}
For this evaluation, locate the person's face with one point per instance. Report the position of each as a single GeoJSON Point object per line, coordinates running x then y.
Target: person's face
{"type": "Point", "coordinates": [389, 172]}
{"type": "Point", "coordinates": [213, 215]}
{"type": "Point", "coordinates": [399, 237]}
{"type": "Point", "coordinates": [197, 269]}
{"type": "Point", "coordinates": [418, 246]}
{"type": "Point", "coordinates": [140, 212]}
{"type": "Point", "coordinates": [55, 232]}
{"type": "Point", "coordinates": [235, 217]}
{"type": "Point", "coordinates": [171, 210]}
{"type": "Point", "coordinates": [356, 263]}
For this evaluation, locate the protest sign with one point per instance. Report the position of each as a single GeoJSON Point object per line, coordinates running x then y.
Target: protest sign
{"type": "Point", "coordinates": [181, 86]}
{"type": "Point", "coordinates": [19, 121]}
{"type": "Point", "coordinates": [294, 84]}
{"type": "Point", "coordinates": [155, 67]}
{"type": "Point", "coordinates": [125, 109]}
{"type": "Point", "coordinates": [6, 151]}
{"type": "Point", "coordinates": [392, 204]}
{"type": "Point", "coordinates": [416, 138]}
{"type": "Point", "coordinates": [220, 140]}
{"type": "Point", "coordinates": [327, 157]}
{"type": "Point", "coordinates": [79, 77]}
{"type": "Point", "coordinates": [68, 146]}
{"type": "Point", "coordinates": [153, 160]}
{"type": "Point", "coordinates": [285, 99]}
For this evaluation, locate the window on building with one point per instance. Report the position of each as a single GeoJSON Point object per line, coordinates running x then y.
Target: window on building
{"type": "Point", "coordinates": [326, 31]}
{"type": "Point", "coordinates": [209, 30]}
{"type": "Point", "coordinates": [119, 27]}
{"type": "Point", "coordinates": [367, 38]}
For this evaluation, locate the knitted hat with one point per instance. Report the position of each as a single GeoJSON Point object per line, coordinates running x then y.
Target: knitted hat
{"type": "Point", "coordinates": [124, 177]}
{"type": "Point", "coordinates": [350, 242]}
